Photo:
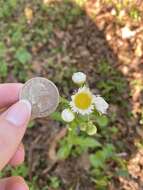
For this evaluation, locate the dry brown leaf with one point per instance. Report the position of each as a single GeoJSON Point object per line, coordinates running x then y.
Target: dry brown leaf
{"type": "Point", "coordinates": [28, 14]}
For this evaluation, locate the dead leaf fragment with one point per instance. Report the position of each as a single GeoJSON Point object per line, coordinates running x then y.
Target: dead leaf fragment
{"type": "Point", "coordinates": [126, 33]}
{"type": "Point", "coordinates": [138, 50]}
{"type": "Point", "coordinates": [28, 14]}
{"type": "Point", "coordinates": [46, 2]}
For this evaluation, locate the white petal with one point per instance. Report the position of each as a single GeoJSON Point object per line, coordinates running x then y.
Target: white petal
{"type": "Point", "coordinates": [100, 104]}
{"type": "Point", "coordinates": [67, 115]}
{"type": "Point", "coordinates": [79, 78]}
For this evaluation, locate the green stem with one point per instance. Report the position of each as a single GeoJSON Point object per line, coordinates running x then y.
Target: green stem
{"type": "Point", "coordinates": [72, 133]}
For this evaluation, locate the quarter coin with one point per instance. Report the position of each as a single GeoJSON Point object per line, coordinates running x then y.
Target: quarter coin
{"type": "Point", "coordinates": [43, 96]}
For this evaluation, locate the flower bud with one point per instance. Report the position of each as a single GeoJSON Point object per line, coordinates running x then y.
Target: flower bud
{"type": "Point", "coordinates": [67, 115]}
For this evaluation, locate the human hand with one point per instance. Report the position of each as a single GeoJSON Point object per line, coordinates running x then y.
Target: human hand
{"type": "Point", "coordinates": [13, 123]}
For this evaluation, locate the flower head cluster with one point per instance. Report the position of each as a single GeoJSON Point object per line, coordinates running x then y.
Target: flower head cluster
{"type": "Point", "coordinates": [84, 102]}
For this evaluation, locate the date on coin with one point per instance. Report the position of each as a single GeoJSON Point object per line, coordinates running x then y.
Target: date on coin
{"type": "Point", "coordinates": [43, 96]}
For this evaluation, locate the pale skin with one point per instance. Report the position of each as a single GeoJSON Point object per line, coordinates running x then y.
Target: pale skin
{"type": "Point", "coordinates": [13, 124]}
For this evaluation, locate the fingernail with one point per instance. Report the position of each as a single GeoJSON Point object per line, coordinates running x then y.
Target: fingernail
{"type": "Point", "coordinates": [19, 113]}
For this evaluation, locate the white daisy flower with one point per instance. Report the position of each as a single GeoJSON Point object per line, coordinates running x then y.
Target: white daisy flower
{"type": "Point", "coordinates": [100, 104]}
{"type": "Point", "coordinates": [67, 115]}
{"type": "Point", "coordinates": [83, 101]}
{"type": "Point", "coordinates": [79, 78]}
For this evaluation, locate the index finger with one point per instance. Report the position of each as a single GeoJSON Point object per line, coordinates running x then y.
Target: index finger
{"type": "Point", "coordinates": [9, 93]}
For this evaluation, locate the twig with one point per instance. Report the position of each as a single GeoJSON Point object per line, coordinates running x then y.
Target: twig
{"type": "Point", "coordinates": [52, 150]}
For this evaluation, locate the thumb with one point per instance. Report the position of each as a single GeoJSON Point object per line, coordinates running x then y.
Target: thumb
{"type": "Point", "coordinates": [12, 128]}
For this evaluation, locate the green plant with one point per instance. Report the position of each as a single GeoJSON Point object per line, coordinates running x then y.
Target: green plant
{"type": "Point", "coordinates": [88, 131]}
{"type": "Point", "coordinates": [54, 182]}
{"type": "Point", "coordinates": [2, 49]}
{"type": "Point", "coordinates": [83, 121]}
{"type": "Point", "coordinates": [20, 170]}
{"type": "Point", "coordinates": [3, 69]}
{"type": "Point", "coordinates": [135, 14]}
{"type": "Point", "coordinates": [22, 55]}
{"type": "Point", "coordinates": [22, 60]}
{"type": "Point", "coordinates": [23, 171]}
{"type": "Point", "coordinates": [3, 64]}
{"type": "Point", "coordinates": [112, 82]}
{"type": "Point", "coordinates": [7, 8]}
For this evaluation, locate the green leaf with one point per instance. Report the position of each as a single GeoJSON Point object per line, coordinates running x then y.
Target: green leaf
{"type": "Point", "coordinates": [54, 182]}
{"type": "Point", "coordinates": [13, 3]}
{"type": "Point", "coordinates": [64, 101]}
{"type": "Point", "coordinates": [3, 69]}
{"type": "Point", "coordinates": [16, 36]}
{"type": "Point", "coordinates": [31, 124]}
{"type": "Point", "coordinates": [7, 8]}
{"type": "Point", "coordinates": [20, 170]}
{"type": "Point", "coordinates": [122, 173]}
{"type": "Point", "coordinates": [102, 120]}
{"type": "Point", "coordinates": [102, 183]}
{"type": "Point", "coordinates": [22, 55]}
{"type": "Point", "coordinates": [114, 130]}
{"type": "Point", "coordinates": [97, 160]}
{"type": "Point", "coordinates": [86, 142]}
{"type": "Point", "coordinates": [56, 116]}
{"type": "Point", "coordinates": [64, 151]}
{"type": "Point", "coordinates": [2, 49]}
{"type": "Point", "coordinates": [108, 151]}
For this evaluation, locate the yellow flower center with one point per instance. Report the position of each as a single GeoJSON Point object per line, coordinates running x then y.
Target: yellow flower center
{"type": "Point", "coordinates": [83, 100]}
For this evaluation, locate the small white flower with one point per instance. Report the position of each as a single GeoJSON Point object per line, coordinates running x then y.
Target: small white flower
{"type": "Point", "coordinates": [100, 104]}
{"type": "Point", "coordinates": [83, 101]}
{"type": "Point", "coordinates": [127, 33]}
{"type": "Point", "coordinates": [79, 78]}
{"type": "Point", "coordinates": [67, 115]}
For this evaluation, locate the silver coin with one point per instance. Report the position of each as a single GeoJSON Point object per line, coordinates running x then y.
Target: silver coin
{"type": "Point", "coordinates": [43, 96]}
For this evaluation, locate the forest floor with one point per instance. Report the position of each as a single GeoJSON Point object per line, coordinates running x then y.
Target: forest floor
{"type": "Point", "coordinates": [104, 39]}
